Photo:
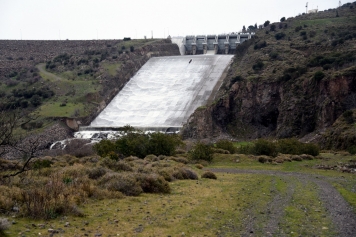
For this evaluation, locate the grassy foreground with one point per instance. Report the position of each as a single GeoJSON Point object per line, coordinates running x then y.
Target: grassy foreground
{"type": "Point", "coordinates": [207, 207]}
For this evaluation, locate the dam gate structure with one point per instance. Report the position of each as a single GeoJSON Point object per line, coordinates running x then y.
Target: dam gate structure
{"type": "Point", "coordinates": [212, 44]}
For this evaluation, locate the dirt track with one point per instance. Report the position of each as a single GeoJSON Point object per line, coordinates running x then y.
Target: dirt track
{"type": "Point", "coordinates": [340, 212]}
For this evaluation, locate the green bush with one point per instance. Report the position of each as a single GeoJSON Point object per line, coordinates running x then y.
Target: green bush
{"type": "Point", "coordinates": [348, 116]}
{"type": "Point", "coordinates": [265, 147]}
{"type": "Point", "coordinates": [201, 151]}
{"type": "Point", "coordinates": [279, 36]}
{"type": "Point", "coordinates": [104, 147]}
{"type": "Point", "coordinates": [294, 147]}
{"type": "Point", "coordinates": [226, 145]}
{"type": "Point", "coordinates": [258, 65]}
{"type": "Point", "coordinates": [163, 144]}
{"type": "Point", "coordinates": [352, 149]}
{"type": "Point", "coordinates": [310, 149]}
{"type": "Point", "coordinates": [318, 76]}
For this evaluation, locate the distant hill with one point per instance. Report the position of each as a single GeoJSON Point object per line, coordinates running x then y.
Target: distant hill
{"type": "Point", "coordinates": [293, 79]}
{"type": "Point", "coordinates": [69, 79]}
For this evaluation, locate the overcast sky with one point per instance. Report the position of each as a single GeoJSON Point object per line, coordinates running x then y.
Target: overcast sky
{"type": "Point", "coordinates": [115, 19]}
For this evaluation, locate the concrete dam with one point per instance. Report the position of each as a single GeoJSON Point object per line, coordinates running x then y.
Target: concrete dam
{"type": "Point", "coordinates": [163, 94]}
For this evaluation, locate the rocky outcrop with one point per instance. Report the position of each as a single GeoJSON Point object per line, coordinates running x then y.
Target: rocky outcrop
{"type": "Point", "coordinates": [280, 109]}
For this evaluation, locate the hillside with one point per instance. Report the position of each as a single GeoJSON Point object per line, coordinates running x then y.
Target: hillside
{"type": "Point", "coordinates": [69, 79]}
{"type": "Point", "coordinates": [293, 79]}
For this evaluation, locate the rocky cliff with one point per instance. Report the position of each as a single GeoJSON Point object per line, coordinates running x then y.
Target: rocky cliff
{"type": "Point", "coordinates": [294, 78]}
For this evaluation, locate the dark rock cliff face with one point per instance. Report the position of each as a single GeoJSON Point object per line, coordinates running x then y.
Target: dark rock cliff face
{"type": "Point", "coordinates": [252, 109]}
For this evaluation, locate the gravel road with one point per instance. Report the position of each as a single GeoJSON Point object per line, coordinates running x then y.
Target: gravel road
{"type": "Point", "coordinates": [340, 211]}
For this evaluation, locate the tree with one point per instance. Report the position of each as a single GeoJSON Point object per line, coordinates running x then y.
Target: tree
{"type": "Point", "coordinates": [243, 29]}
{"type": "Point", "coordinates": [283, 19]}
{"type": "Point", "coordinates": [27, 148]}
{"type": "Point", "coordinates": [266, 23]}
{"type": "Point", "coordinates": [256, 26]}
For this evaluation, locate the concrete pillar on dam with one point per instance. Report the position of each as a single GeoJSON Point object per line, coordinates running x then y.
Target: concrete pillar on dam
{"type": "Point", "coordinates": [164, 93]}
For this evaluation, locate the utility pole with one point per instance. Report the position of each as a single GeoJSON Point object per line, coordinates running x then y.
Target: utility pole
{"type": "Point", "coordinates": [306, 8]}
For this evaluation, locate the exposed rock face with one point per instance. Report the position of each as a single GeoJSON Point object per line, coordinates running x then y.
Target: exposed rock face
{"type": "Point", "coordinates": [281, 109]}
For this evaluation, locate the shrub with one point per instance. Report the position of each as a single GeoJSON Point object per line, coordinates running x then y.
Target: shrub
{"type": "Point", "coordinates": [279, 36]}
{"type": "Point", "coordinates": [127, 38]}
{"type": "Point", "coordinates": [266, 23]}
{"type": "Point", "coordinates": [208, 175]}
{"type": "Point", "coordinates": [116, 165]}
{"type": "Point", "coordinates": [318, 76]}
{"type": "Point", "coordinates": [201, 151]}
{"type": "Point", "coordinates": [226, 145]}
{"type": "Point", "coordinates": [273, 27]}
{"type": "Point", "coordinates": [311, 149]}
{"type": "Point", "coordinates": [153, 183]}
{"type": "Point", "coordinates": [348, 116]}
{"type": "Point", "coordinates": [283, 19]}
{"type": "Point", "coordinates": [38, 164]}
{"type": "Point", "coordinates": [298, 28]}
{"type": "Point", "coordinates": [352, 149]}
{"type": "Point", "coordinates": [294, 147]}
{"type": "Point", "coordinates": [123, 182]}
{"type": "Point", "coordinates": [273, 55]}
{"type": "Point", "coordinates": [96, 172]}
{"type": "Point", "coordinates": [132, 48]}
{"type": "Point", "coordinates": [258, 66]}
{"type": "Point", "coordinates": [104, 147]}
{"type": "Point", "coordinates": [199, 166]}
{"type": "Point", "coordinates": [265, 147]}
{"type": "Point", "coordinates": [260, 45]}
{"type": "Point", "coordinates": [163, 144]}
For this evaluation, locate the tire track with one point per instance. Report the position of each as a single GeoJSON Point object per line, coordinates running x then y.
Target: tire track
{"type": "Point", "coordinates": [341, 213]}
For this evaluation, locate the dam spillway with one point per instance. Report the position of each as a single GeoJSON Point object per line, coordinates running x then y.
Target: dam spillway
{"type": "Point", "coordinates": [164, 92]}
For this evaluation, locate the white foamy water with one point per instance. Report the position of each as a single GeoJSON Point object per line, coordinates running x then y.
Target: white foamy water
{"type": "Point", "coordinates": [164, 92]}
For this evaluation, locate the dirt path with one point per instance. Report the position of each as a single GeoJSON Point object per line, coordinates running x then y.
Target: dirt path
{"type": "Point", "coordinates": [340, 212]}
{"type": "Point", "coordinates": [42, 69]}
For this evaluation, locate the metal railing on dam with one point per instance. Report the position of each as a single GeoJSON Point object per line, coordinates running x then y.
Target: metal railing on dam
{"type": "Point", "coordinates": [211, 44]}
{"type": "Point", "coordinates": [164, 93]}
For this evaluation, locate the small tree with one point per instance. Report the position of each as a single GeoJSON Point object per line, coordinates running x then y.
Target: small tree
{"type": "Point", "coordinates": [266, 23]}
{"type": "Point", "coordinates": [243, 29]}
{"type": "Point", "coordinates": [283, 19]}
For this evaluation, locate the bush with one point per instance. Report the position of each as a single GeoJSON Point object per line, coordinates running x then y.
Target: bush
{"type": "Point", "coordinates": [96, 172]}
{"type": "Point", "coordinates": [318, 76]}
{"type": "Point", "coordinates": [266, 23]}
{"type": "Point", "coordinates": [127, 38]}
{"type": "Point", "coordinates": [279, 36]}
{"type": "Point", "coordinates": [283, 19]}
{"type": "Point", "coordinates": [348, 116]}
{"type": "Point", "coordinates": [199, 166]}
{"type": "Point", "coordinates": [132, 48]}
{"type": "Point", "coordinates": [352, 149]}
{"type": "Point", "coordinates": [123, 182]}
{"type": "Point", "coordinates": [153, 183]}
{"type": "Point", "coordinates": [273, 27]}
{"type": "Point", "coordinates": [260, 45]}
{"type": "Point", "coordinates": [298, 28]}
{"type": "Point", "coordinates": [265, 147]}
{"type": "Point", "coordinates": [273, 55]}
{"type": "Point", "coordinates": [201, 151]}
{"type": "Point", "coordinates": [226, 145]}
{"type": "Point", "coordinates": [163, 144]}
{"type": "Point", "coordinates": [258, 66]}
{"type": "Point", "coordinates": [116, 165]}
{"type": "Point", "coordinates": [294, 147]}
{"type": "Point", "coordinates": [208, 175]}
{"type": "Point", "coordinates": [104, 147]}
